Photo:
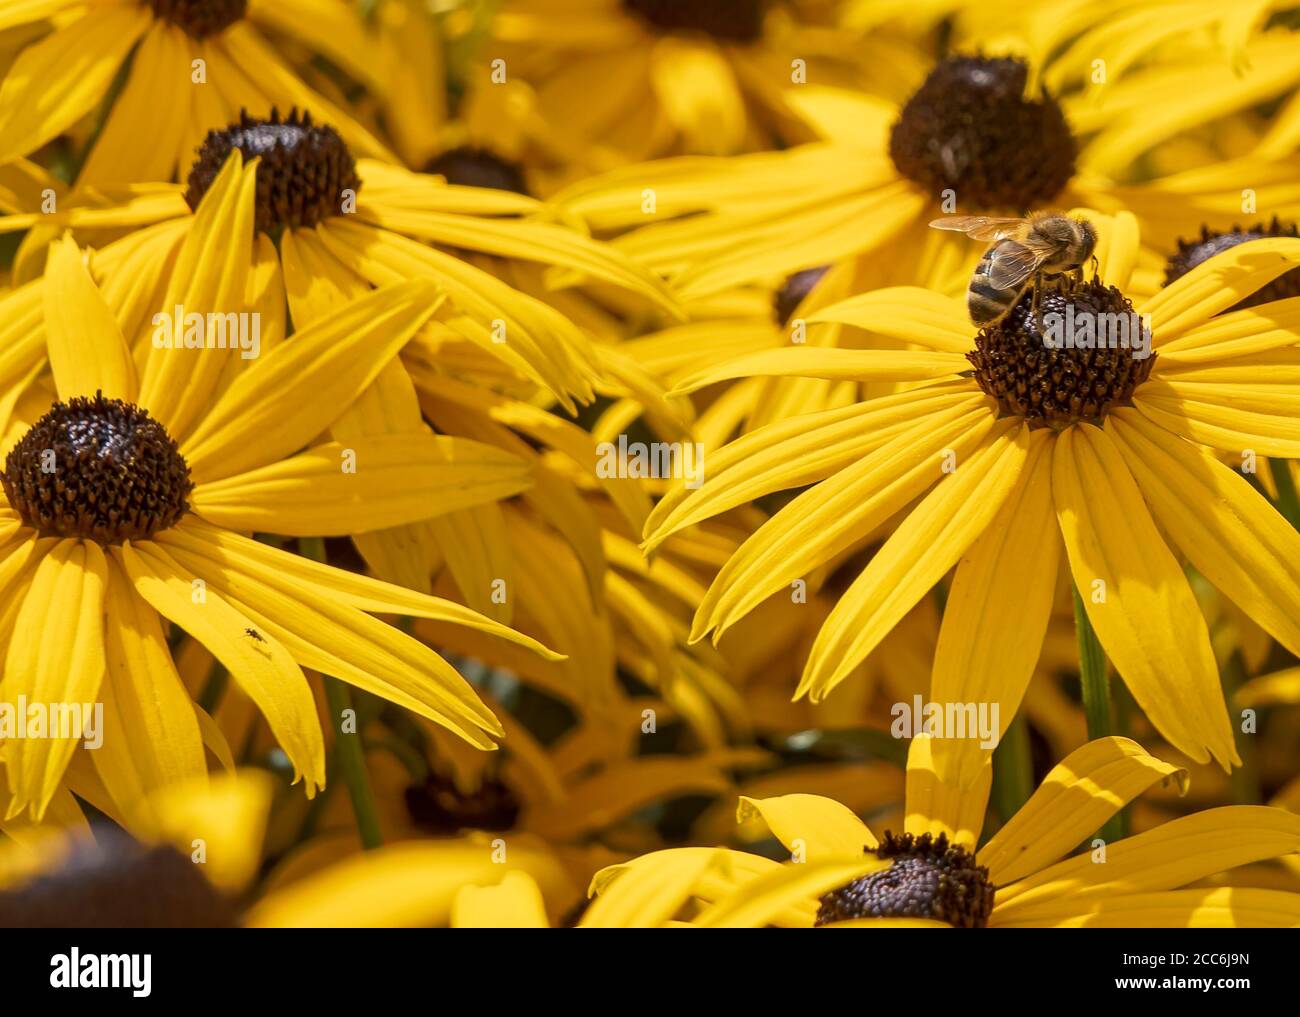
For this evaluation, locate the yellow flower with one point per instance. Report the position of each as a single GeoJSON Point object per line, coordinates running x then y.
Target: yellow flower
{"type": "Point", "coordinates": [969, 139]}
{"type": "Point", "coordinates": [1107, 452]}
{"type": "Point", "coordinates": [193, 64]}
{"type": "Point", "coordinates": [593, 83]}
{"type": "Point", "coordinates": [842, 875]}
{"type": "Point", "coordinates": [127, 494]}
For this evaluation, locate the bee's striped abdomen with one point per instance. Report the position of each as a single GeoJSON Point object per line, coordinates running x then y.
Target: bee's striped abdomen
{"type": "Point", "coordinates": [984, 301]}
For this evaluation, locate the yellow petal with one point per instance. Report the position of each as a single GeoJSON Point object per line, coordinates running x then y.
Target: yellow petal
{"type": "Point", "coordinates": [56, 656]}
{"type": "Point", "coordinates": [55, 81]}
{"type": "Point", "coordinates": [1137, 597]}
{"type": "Point", "coordinates": [935, 807]}
{"type": "Point", "coordinates": [1009, 572]}
{"type": "Point", "coordinates": [218, 823]}
{"type": "Point", "coordinates": [1226, 528]}
{"type": "Point", "coordinates": [840, 511]}
{"type": "Point", "coordinates": [286, 399]}
{"type": "Point", "coordinates": [1074, 800]}
{"type": "Point", "coordinates": [1172, 855]}
{"type": "Point", "coordinates": [261, 666]}
{"type": "Point", "coordinates": [758, 901]}
{"type": "Point", "coordinates": [151, 738]}
{"type": "Point", "coordinates": [363, 484]}
{"type": "Point", "coordinates": [648, 891]}
{"type": "Point", "coordinates": [925, 546]}
{"type": "Point", "coordinates": [87, 351]}
{"type": "Point", "coordinates": [514, 903]}
{"type": "Point", "coordinates": [815, 828]}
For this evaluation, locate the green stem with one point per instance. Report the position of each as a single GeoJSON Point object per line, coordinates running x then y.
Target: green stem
{"type": "Point", "coordinates": [1288, 501]}
{"type": "Point", "coordinates": [1095, 684]}
{"type": "Point", "coordinates": [1013, 770]}
{"type": "Point", "coordinates": [352, 761]}
{"type": "Point", "coordinates": [348, 745]}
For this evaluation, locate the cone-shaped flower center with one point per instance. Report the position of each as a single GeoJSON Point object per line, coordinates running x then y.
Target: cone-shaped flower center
{"type": "Point", "coordinates": [1084, 352]}
{"type": "Point", "coordinates": [727, 20]}
{"type": "Point", "coordinates": [929, 878]}
{"type": "Point", "coordinates": [305, 176]}
{"type": "Point", "coordinates": [970, 129]}
{"type": "Point", "coordinates": [100, 469]}
{"type": "Point", "coordinates": [199, 18]}
{"type": "Point", "coordinates": [477, 167]}
{"type": "Point", "coordinates": [440, 807]}
{"type": "Point", "coordinates": [1192, 252]}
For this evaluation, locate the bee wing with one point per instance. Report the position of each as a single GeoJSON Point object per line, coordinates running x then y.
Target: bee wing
{"type": "Point", "coordinates": [1014, 264]}
{"type": "Point", "coordinates": [980, 227]}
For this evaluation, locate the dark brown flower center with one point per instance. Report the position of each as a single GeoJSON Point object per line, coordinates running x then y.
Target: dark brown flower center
{"type": "Point", "coordinates": [100, 469]}
{"type": "Point", "coordinates": [477, 167]}
{"type": "Point", "coordinates": [303, 177]}
{"type": "Point", "coordinates": [199, 18]}
{"type": "Point", "coordinates": [793, 291]}
{"type": "Point", "coordinates": [1084, 352]}
{"type": "Point", "coordinates": [728, 20]}
{"type": "Point", "coordinates": [438, 806]}
{"type": "Point", "coordinates": [1194, 252]}
{"type": "Point", "coordinates": [118, 884]}
{"type": "Point", "coordinates": [929, 878]}
{"type": "Point", "coordinates": [970, 129]}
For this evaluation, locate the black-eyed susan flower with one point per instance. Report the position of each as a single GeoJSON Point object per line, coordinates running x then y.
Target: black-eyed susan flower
{"type": "Point", "coordinates": [1110, 451]}
{"type": "Point", "coordinates": [931, 874]}
{"type": "Point", "coordinates": [343, 225]}
{"type": "Point", "coordinates": [190, 66]}
{"type": "Point", "coordinates": [128, 493]}
{"type": "Point", "coordinates": [973, 137]}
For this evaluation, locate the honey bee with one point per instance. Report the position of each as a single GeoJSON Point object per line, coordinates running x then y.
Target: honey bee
{"type": "Point", "coordinates": [1045, 244]}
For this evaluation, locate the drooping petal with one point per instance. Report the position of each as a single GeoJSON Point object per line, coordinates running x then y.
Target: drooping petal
{"type": "Point", "coordinates": [260, 664]}
{"type": "Point", "coordinates": [1137, 597]}
{"type": "Point", "coordinates": [1226, 528]}
{"type": "Point", "coordinates": [55, 661]}
{"type": "Point", "coordinates": [1009, 572]}
{"type": "Point", "coordinates": [1173, 854]}
{"type": "Point", "coordinates": [1073, 801]}
{"type": "Point", "coordinates": [933, 537]}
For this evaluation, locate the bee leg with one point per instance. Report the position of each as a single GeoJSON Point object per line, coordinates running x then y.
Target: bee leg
{"type": "Point", "coordinates": [1096, 268]}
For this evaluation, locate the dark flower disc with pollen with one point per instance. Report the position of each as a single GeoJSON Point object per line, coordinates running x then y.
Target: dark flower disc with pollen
{"type": "Point", "coordinates": [301, 180]}
{"type": "Point", "coordinates": [1211, 242]}
{"type": "Point", "coordinates": [438, 806]}
{"type": "Point", "coordinates": [929, 878]}
{"type": "Point", "coordinates": [727, 20]}
{"type": "Point", "coordinates": [118, 883]}
{"type": "Point", "coordinates": [467, 166]}
{"type": "Point", "coordinates": [1055, 384]}
{"type": "Point", "coordinates": [100, 469]}
{"type": "Point", "coordinates": [200, 18]}
{"type": "Point", "coordinates": [969, 128]}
